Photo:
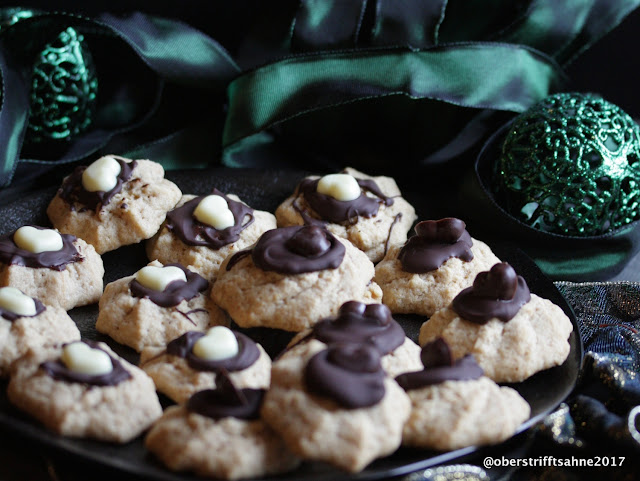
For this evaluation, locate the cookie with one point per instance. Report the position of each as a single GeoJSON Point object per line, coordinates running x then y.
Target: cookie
{"type": "Point", "coordinates": [336, 405]}
{"type": "Point", "coordinates": [189, 236]}
{"type": "Point", "coordinates": [113, 202]}
{"type": "Point", "coordinates": [26, 323]}
{"type": "Point", "coordinates": [293, 277]}
{"type": "Point", "coordinates": [156, 305]}
{"type": "Point", "coordinates": [60, 269]}
{"type": "Point", "coordinates": [367, 211]}
{"type": "Point", "coordinates": [218, 433]}
{"type": "Point", "coordinates": [511, 333]}
{"type": "Point", "coordinates": [191, 363]}
{"type": "Point", "coordinates": [432, 267]}
{"type": "Point", "coordinates": [453, 405]}
{"type": "Point", "coordinates": [84, 390]}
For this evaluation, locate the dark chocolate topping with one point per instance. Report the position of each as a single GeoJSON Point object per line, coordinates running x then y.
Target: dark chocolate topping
{"type": "Point", "coordinates": [72, 189]}
{"type": "Point", "coordinates": [297, 249]}
{"type": "Point", "coordinates": [435, 243]}
{"type": "Point", "coordinates": [349, 374]}
{"type": "Point", "coordinates": [60, 372]}
{"type": "Point", "coordinates": [175, 292]}
{"type": "Point", "coordinates": [248, 353]}
{"type": "Point", "coordinates": [498, 293]}
{"type": "Point", "coordinates": [11, 254]}
{"type": "Point", "coordinates": [361, 323]}
{"type": "Point", "coordinates": [12, 316]}
{"type": "Point", "coordinates": [333, 210]}
{"type": "Point", "coordinates": [182, 222]}
{"type": "Point", "coordinates": [226, 401]}
{"type": "Point", "coordinates": [439, 367]}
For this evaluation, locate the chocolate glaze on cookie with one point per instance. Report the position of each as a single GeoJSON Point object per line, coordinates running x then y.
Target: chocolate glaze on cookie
{"type": "Point", "coordinates": [11, 254]}
{"type": "Point", "coordinates": [336, 211]}
{"type": "Point", "coordinates": [226, 401]}
{"type": "Point", "coordinates": [182, 222]}
{"type": "Point", "coordinates": [175, 292]}
{"type": "Point", "coordinates": [498, 293]}
{"type": "Point", "coordinates": [12, 316]}
{"type": "Point", "coordinates": [248, 353]}
{"type": "Point", "coordinates": [349, 374]}
{"type": "Point", "coordinates": [439, 367]}
{"type": "Point", "coordinates": [72, 190]}
{"type": "Point", "coordinates": [60, 372]}
{"type": "Point", "coordinates": [435, 243]}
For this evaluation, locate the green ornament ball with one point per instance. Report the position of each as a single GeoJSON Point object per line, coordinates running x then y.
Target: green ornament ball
{"type": "Point", "coordinates": [570, 165]}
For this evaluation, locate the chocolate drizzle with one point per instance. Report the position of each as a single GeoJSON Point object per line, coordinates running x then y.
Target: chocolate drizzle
{"type": "Point", "coordinates": [336, 211]}
{"type": "Point", "coordinates": [12, 316]}
{"type": "Point", "coordinates": [435, 243]}
{"type": "Point", "coordinates": [361, 323]}
{"type": "Point", "coordinates": [73, 191]}
{"type": "Point", "coordinates": [58, 371]}
{"type": "Point", "coordinates": [439, 367]}
{"type": "Point", "coordinates": [296, 250]}
{"type": "Point", "coordinates": [498, 293]}
{"type": "Point", "coordinates": [226, 401]}
{"type": "Point", "coordinates": [182, 222]}
{"type": "Point", "coordinates": [175, 292]}
{"type": "Point", "coordinates": [11, 254]}
{"type": "Point", "coordinates": [248, 353]}
{"type": "Point", "coordinates": [349, 374]}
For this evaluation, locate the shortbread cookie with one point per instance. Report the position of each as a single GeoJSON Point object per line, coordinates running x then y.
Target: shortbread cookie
{"type": "Point", "coordinates": [191, 363]}
{"type": "Point", "coordinates": [336, 405]}
{"type": "Point", "coordinates": [218, 433]}
{"type": "Point", "coordinates": [512, 333]}
{"type": "Point", "coordinates": [153, 307]}
{"type": "Point", "coordinates": [432, 267]}
{"type": "Point", "coordinates": [371, 324]}
{"type": "Point", "coordinates": [454, 406]}
{"type": "Point", "coordinates": [60, 269]}
{"type": "Point", "coordinates": [113, 202]}
{"type": "Point", "coordinates": [84, 390]}
{"type": "Point", "coordinates": [293, 277]}
{"type": "Point", "coordinates": [203, 231]}
{"type": "Point", "coordinates": [368, 211]}
{"type": "Point", "coordinates": [26, 323]}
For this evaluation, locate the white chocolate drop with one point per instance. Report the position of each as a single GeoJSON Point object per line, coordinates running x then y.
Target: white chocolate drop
{"type": "Point", "coordinates": [37, 240]}
{"type": "Point", "coordinates": [158, 278]}
{"type": "Point", "coordinates": [213, 210]}
{"type": "Point", "coordinates": [101, 175]}
{"type": "Point", "coordinates": [14, 300]}
{"type": "Point", "coordinates": [82, 358]}
{"type": "Point", "coordinates": [218, 343]}
{"type": "Point", "coordinates": [342, 187]}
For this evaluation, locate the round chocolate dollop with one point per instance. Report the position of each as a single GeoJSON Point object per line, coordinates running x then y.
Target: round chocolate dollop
{"type": "Point", "coordinates": [58, 371]}
{"type": "Point", "coordinates": [297, 249]}
{"type": "Point", "coordinates": [349, 374]}
{"type": "Point", "coordinates": [73, 191]}
{"type": "Point", "coordinates": [175, 292]}
{"type": "Point", "coordinates": [226, 401]}
{"type": "Point", "coordinates": [435, 243]}
{"type": "Point", "coordinates": [333, 210]}
{"type": "Point", "coordinates": [498, 293]}
{"type": "Point", "coordinates": [11, 254]}
{"type": "Point", "coordinates": [248, 353]}
{"type": "Point", "coordinates": [183, 223]}
{"type": "Point", "coordinates": [12, 316]}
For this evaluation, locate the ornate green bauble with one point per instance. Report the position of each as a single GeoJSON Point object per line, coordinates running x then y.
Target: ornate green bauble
{"type": "Point", "coordinates": [571, 165]}
{"type": "Point", "coordinates": [64, 89]}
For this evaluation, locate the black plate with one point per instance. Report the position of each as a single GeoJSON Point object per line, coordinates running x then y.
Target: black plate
{"type": "Point", "coordinates": [265, 191]}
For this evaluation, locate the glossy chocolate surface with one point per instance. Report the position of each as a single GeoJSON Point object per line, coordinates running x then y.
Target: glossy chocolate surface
{"type": "Point", "coordinates": [11, 254]}
{"type": "Point", "coordinates": [175, 292]}
{"type": "Point", "coordinates": [226, 401]}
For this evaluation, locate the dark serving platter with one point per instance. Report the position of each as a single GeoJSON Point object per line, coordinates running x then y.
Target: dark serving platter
{"type": "Point", "coordinates": [265, 190]}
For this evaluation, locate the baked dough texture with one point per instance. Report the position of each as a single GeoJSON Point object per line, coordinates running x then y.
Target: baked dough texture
{"type": "Point", "coordinates": [78, 284]}
{"type": "Point", "coordinates": [409, 293]}
{"type": "Point", "coordinates": [166, 247]}
{"type": "Point", "coordinates": [534, 340]}
{"type": "Point", "coordinates": [293, 302]}
{"type": "Point", "coordinates": [227, 448]}
{"type": "Point", "coordinates": [371, 235]}
{"type": "Point", "coordinates": [109, 413]}
{"type": "Point", "coordinates": [133, 214]}
{"type": "Point", "coordinates": [318, 429]}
